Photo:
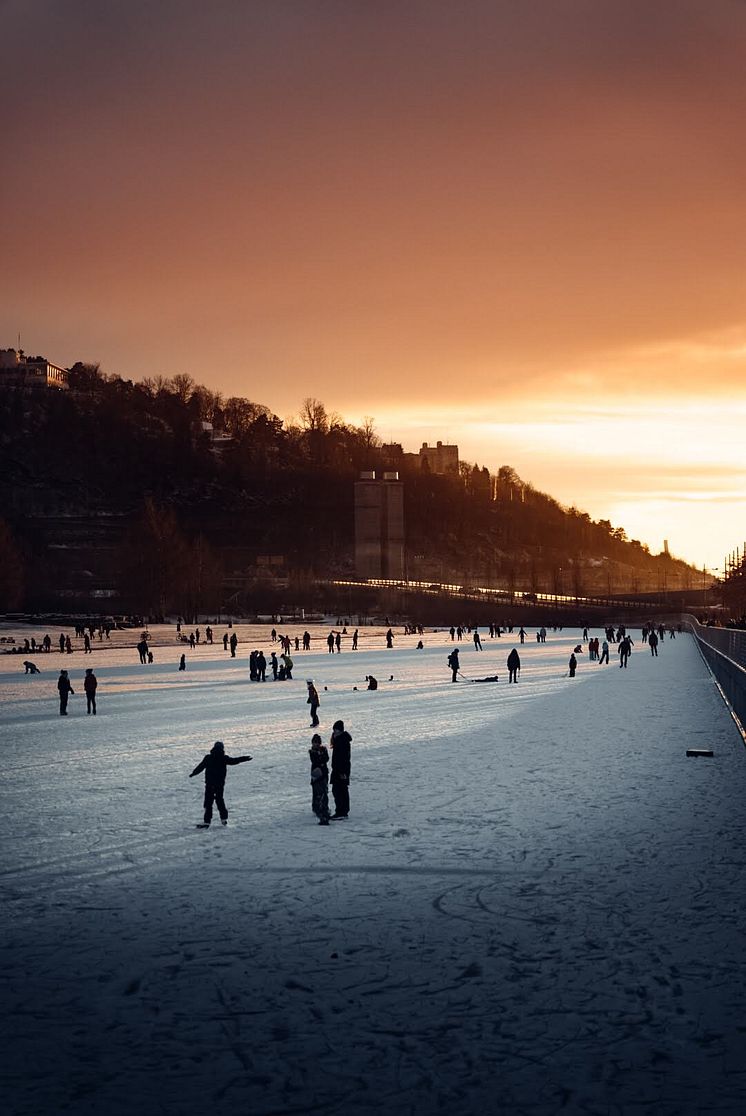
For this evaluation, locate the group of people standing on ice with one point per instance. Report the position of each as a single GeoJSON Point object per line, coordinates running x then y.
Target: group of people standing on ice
{"type": "Point", "coordinates": [216, 763]}
{"type": "Point", "coordinates": [340, 744]}
{"type": "Point", "coordinates": [65, 689]}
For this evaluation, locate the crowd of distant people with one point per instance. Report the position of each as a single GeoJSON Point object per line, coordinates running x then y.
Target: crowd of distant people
{"type": "Point", "coordinates": [329, 766]}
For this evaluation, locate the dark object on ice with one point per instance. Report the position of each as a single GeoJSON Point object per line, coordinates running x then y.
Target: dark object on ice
{"type": "Point", "coordinates": [215, 765]}
{"type": "Point", "coordinates": [31, 668]}
{"type": "Point", "coordinates": [372, 682]}
{"type": "Point", "coordinates": [697, 752]}
{"type": "Point", "coordinates": [514, 665]}
{"type": "Point", "coordinates": [454, 664]}
{"type": "Point", "coordinates": [182, 662]}
{"type": "Point", "coordinates": [489, 678]}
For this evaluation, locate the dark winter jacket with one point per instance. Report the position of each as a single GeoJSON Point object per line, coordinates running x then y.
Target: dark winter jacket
{"type": "Point", "coordinates": [514, 660]}
{"type": "Point", "coordinates": [341, 762]}
{"type": "Point", "coordinates": [319, 760]}
{"type": "Point", "coordinates": [63, 685]}
{"type": "Point", "coordinates": [90, 682]}
{"type": "Point", "coordinates": [214, 766]}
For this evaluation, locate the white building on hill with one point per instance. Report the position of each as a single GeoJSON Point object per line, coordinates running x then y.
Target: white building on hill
{"type": "Point", "coordinates": [18, 370]}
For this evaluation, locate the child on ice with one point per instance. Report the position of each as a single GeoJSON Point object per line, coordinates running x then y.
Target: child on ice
{"type": "Point", "coordinates": [319, 779]}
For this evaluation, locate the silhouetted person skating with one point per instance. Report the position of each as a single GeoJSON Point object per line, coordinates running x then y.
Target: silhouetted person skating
{"type": "Point", "coordinates": [215, 765]}
{"type": "Point", "coordinates": [514, 665]}
{"type": "Point", "coordinates": [625, 648]}
{"type": "Point", "coordinates": [313, 701]}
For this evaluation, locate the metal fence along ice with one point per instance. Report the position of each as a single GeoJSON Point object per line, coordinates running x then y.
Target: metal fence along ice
{"type": "Point", "coordinates": [724, 650]}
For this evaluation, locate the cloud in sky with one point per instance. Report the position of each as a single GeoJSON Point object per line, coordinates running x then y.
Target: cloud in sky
{"type": "Point", "coordinates": [385, 205]}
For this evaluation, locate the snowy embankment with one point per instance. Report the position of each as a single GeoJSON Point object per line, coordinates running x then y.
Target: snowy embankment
{"type": "Point", "coordinates": [534, 905]}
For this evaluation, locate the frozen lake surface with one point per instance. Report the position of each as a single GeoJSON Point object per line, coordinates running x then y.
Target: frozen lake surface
{"type": "Point", "coordinates": [536, 905]}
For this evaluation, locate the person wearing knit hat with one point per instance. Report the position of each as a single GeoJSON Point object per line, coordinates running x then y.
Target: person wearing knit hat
{"type": "Point", "coordinates": [215, 765]}
{"type": "Point", "coordinates": [313, 701]}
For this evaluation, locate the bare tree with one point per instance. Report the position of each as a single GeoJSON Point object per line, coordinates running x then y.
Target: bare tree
{"type": "Point", "coordinates": [240, 415]}
{"type": "Point", "coordinates": [313, 416]}
{"type": "Point", "coordinates": [154, 385]}
{"type": "Point", "coordinates": [183, 386]}
{"type": "Point", "coordinates": [210, 403]}
{"type": "Point", "coordinates": [368, 433]}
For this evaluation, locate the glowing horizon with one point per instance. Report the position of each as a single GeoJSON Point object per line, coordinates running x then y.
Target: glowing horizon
{"type": "Point", "coordinates": [518, 228]}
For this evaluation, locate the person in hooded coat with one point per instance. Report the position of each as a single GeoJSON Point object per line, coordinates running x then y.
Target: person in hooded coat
{"type": "Point", "coordinates": [215, 765]}
{"type": "Point", "coordinates": [573, 664]}
{"type": "Point", "coordinates": [514, 665]}
{"type": "Point", "coordinates": [341, 766]}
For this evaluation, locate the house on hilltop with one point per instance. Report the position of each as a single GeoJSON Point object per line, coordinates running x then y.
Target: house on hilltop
{"type": "Point", "coordinates": [18, 370]}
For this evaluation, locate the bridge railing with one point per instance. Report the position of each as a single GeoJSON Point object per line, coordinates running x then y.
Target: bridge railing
{"type": "Point", "coordinates": [724, 649]}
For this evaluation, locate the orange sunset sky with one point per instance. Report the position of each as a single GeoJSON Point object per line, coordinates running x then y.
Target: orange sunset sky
{"type": "Point", "coordinates": [514, 226]}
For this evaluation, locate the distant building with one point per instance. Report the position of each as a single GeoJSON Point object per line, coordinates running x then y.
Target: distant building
{"type": "Point", "coordinates": [18, 370]}
{"type": "Point", "coordinates": [392, 455]}
{"type": "Point", "coordinates": [379, 526]}
{"type": "Point", "coordinates": [439, 459]}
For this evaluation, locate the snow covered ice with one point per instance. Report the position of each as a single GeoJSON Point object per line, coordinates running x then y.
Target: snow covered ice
{"type": "Point", "coordinates": [535, 905]}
